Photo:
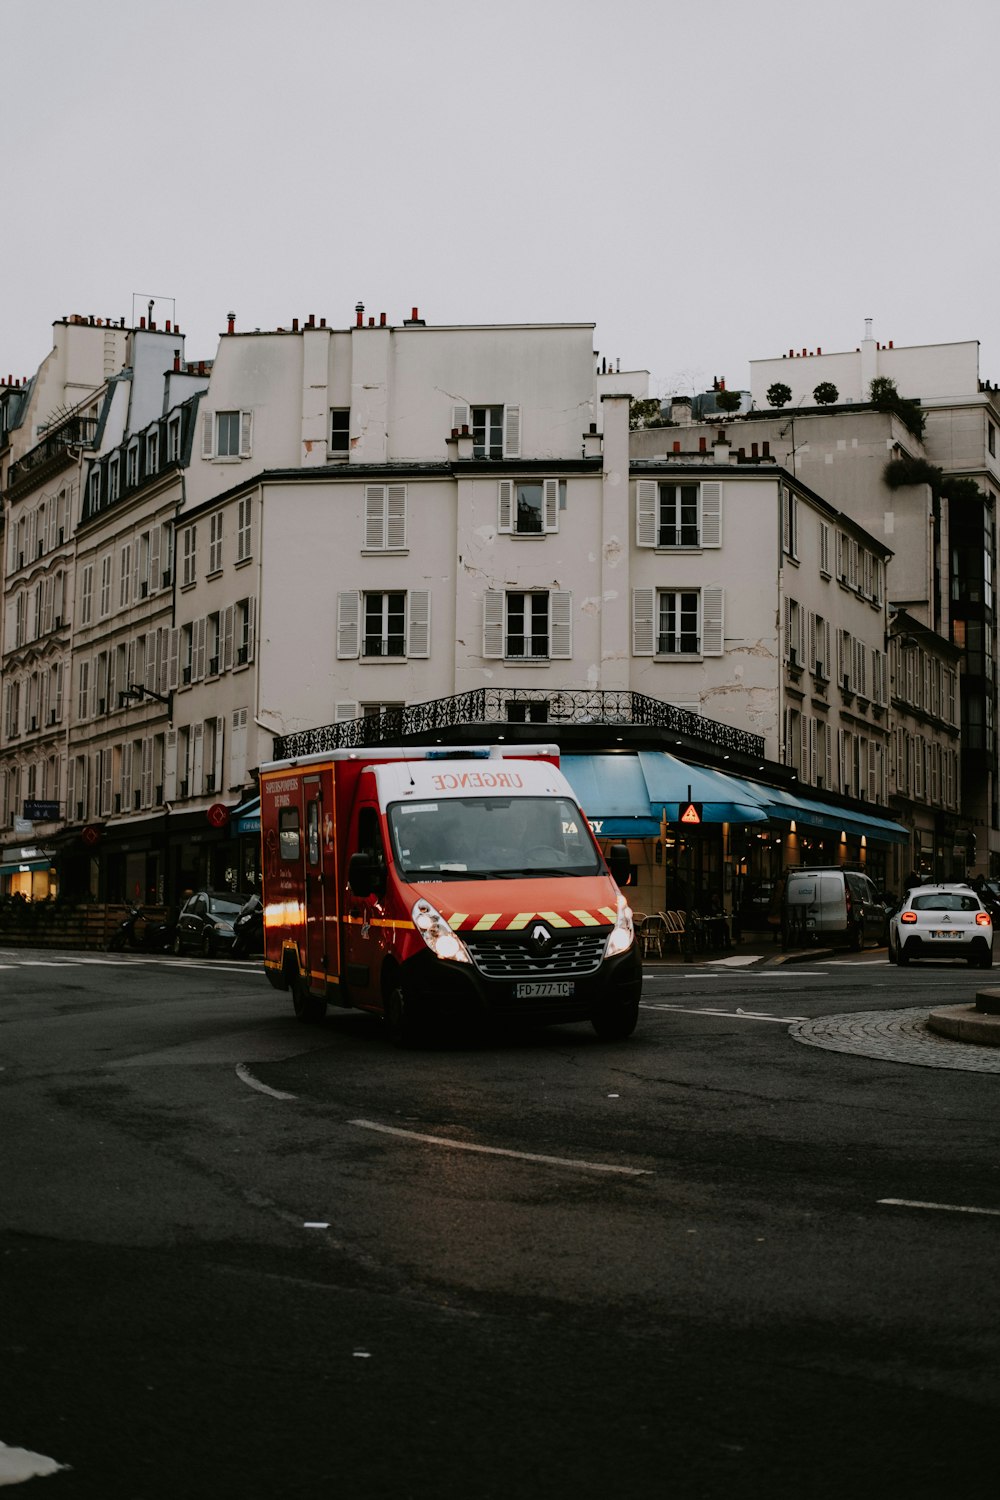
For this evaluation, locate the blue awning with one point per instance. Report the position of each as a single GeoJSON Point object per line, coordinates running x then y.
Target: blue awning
{"type": "Point", "coordinates": [245, 818]}
{"type": "Point", "coordinates": [20, 866]}
{"type": "Point", "coordinates": [724, 799]}
{"type": "Point", "coordinates": [789, 807]}
{"type": "Point", "coordinates": [625, 795]}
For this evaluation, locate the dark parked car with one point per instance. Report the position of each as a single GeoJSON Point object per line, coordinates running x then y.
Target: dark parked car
{"type": "Point", "coordinates": [205, 923]}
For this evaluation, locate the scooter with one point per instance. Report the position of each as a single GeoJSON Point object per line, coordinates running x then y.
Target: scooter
{"type": "Point", "coordinates": [248, 929]}
{"type": "Point", "coordinates": [124, 936]}
{"type": "Point", "coordinates": [152, 936]}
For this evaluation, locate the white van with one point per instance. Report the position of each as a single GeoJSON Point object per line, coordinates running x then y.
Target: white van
{"type": "Point", "coordinates": [829, 902]}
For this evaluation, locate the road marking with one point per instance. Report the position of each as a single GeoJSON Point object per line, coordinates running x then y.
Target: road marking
{"type": "Point", "coordinates": [946, 1208]}
{"type": "Point", "coordinates": [552, 1161]}
{"type": "Point", "coordinates": [245, 1075]}
{"type": "Point", "coordinates": [730, 1015]}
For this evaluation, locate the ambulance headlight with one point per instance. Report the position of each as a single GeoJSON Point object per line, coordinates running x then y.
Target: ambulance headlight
{"type": "Point", "coordinates": [623, 933]}
{"type": "Point", "coordinates": [436, 933]}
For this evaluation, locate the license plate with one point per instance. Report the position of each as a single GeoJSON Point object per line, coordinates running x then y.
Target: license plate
{"type": "Point", "coordinates": [551, 989]}
{"type": "Point", "coordinates": [946, 933]}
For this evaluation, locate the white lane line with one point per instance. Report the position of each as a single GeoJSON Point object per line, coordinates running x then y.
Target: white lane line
{"type": "Point", "coordinates": [244, 1074]}
{"type": "Point", "coordinates": [552, 1161]}
{"type": "Point", "coordinates": [945, 1208]}
{"type": "Point", "coordinates": [730, 1015]}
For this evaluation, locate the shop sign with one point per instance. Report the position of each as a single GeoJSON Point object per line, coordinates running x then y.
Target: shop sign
{"type": "Point", "coordinates": [41, 812]}
{"type": "Point", "coordinates": [218, 815]}
{"type": "Point", "coordinates": [91, 835]}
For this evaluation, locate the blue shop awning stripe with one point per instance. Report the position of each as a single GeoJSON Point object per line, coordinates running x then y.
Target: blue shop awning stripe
{"type": "Point", "coordinates": [671, 783]}
{"type": "Point", "coordinates": [627, 793]}
{"type": "Point", "coordinates": [788, 807]}
{"type": "Point", "coordinates": [245, 818]}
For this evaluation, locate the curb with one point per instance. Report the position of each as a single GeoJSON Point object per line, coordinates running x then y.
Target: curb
{"type": "Point", "coordinates": [964, 1023]}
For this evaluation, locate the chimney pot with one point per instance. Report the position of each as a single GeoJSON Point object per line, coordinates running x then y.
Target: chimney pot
{"type": "Point", "coordinates": [177, 359]}
{"type": "Point", "coordinates": [231, 317]}
{"type": "Point", "coordinates": [381, 320]}
{"type": "Point", "coordinates": [142, 322]}
{"type": "Point", "coordinates": [703, 445]}
{"type": "Point", "coordinates": [766, 449]}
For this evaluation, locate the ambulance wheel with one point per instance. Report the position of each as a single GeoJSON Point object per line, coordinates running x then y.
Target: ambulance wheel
{"type": "Point", "coordinates": [400, 1024]}
{"type": "Point", "coordinates": [613, 1023]}
{"type": "Point", "coordinates": [308, 1008]}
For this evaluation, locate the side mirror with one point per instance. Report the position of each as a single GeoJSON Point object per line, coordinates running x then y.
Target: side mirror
{"type": "Point", "coordinates": [364, 875]}
{"type": "Point", "coordinates": [620, 864]}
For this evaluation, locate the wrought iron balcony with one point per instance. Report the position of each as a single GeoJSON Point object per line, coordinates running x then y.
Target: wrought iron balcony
{"type": "Point", "coordinates": [510, 706]}
{"type": "Point", "coordinates": [74, 430]}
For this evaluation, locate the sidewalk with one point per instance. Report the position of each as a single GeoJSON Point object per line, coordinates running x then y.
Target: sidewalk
{"type": "Point", "coordinates": [978, 1024]}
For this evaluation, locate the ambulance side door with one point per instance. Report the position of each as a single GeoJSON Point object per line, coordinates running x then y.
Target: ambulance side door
{"type": "Point", "coordinates": [366, 935]}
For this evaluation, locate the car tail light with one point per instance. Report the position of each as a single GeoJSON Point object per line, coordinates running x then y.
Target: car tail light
{"type": "Point", "coordinates": [908, 916]}
{"type": "Point", "coordinates": [983, 919]}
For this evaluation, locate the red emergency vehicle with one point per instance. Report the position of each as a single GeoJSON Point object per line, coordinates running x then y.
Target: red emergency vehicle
{"type": "Point", "coordinates": [402, 881]}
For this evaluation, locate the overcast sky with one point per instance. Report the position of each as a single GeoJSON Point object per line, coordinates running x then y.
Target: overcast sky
{"type": "Point", "coordinates": [709, 183]}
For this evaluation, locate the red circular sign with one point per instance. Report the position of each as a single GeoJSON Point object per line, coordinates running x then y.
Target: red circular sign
{"type": "Point", "coordinates": [91, 835]}
{"type": "Point", "coordinates": [218, 815]}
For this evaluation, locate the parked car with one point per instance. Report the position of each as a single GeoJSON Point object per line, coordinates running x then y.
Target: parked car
{"type": "Point", "coordinates": [828, 902]}
{"type": "Point", "coordinates": [205, 922]}
{"type": "Point", "coordinates": [942, 921]}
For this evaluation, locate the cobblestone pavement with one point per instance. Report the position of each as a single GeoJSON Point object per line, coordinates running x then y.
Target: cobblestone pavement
{"type": "Point", "coordinates": [894, 1036]}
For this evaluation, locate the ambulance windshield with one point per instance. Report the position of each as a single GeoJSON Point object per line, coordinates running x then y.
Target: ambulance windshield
{"type": "Point", "coordinates": [476, 838]}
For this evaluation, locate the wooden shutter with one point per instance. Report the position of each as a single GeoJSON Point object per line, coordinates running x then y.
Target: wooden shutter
{"type": "Point", "coordinates": [645, 513]}
{"type": "Point", "coordinates": [200, 631]}
{"type": "Point", "coordinates": [375, 517]}
{"type": "Point", "coordinates": [712, 622]}
{"type": "Point", "coordinates": [560, 624]}
{"type": "Point", "coordinates": [505, 505]}
{"type": "Point", "coordinates": [348, 622]}
{"type": "Point", "coordinates": [512, 432]}
{"type": "Point", "coordinates": [493, 614]}
{"type": "Point", "coordinates": [711, 513]}
{"type": "Point", "coordinates": [395, 518]}
{"type": "Point", "coordinates": [207, 435]}
{"type": "Point", "coordinates": [228, 618]}
{"type": "Point", "coordinates": [220, 726]}
{"type": "Point", "coordinates": [418, 635]}
{"type": "Point", "coordinates": [196, 784]}
{"type": "Point", "coordinates": [251, 625]}
{"type": "Point", "coordinates": [550, 508]}
{"type": "Point", "coordinates": [459, 417]}
{"type": "Point", "coordinates": [170, 767]}
{"type": "Point", "coordinates": [642, 622]}
{"type": "Point", "coordinates": [246, 433]}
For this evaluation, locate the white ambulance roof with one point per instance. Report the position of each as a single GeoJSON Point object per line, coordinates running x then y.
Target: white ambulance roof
{"type": "Point", "coordinates": [428, 780]}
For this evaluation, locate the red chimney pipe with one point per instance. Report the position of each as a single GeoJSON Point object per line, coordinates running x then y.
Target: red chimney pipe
{"type": "Point", "coordinates": [415, 314]}
{"type": "Point", "coordinates": [232, 322]}
{"type": "Point", "coordinates": [177, 359]}
{"type": "Point", "coordinates": [381, 320]}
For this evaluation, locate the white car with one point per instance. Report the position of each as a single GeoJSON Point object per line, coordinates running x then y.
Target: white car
{"type": "Point", "coordinates": [942, 921]}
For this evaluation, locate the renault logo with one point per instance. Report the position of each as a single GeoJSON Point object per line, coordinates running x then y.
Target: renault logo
{"type": "Point", "coordinates": [541, 937]}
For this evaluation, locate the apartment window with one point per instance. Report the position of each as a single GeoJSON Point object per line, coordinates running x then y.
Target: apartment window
{"type": "Point", "coordinates": [340, 429]}
{"type": "Point", "coordinates": [152, 451]}
{"type": "Point", "coordinates": [789, 523]}
{"type": "Point", "coordinates": [244, 535]}
{"type": "Point", "coordinates": [991, 439]}
{"type": "Point", "coordinates": [125, 576]}
{"type": "Point", "coordinates": [186, 653]}
{"type": "Point", "coordinates": [819, 646]}
{"type": "Point", "coordinates": [677, 622]}
{"type": "Point", "coordinates": [527, 625]}
{"type": "Point", "coordinates": [173, 440]}
{"type": "Point", "coordinates": [496, 430]}
{"type": "Point", "coordinates": [113, 474]}
{"type": "Point", "coordinates": [215, 543]}
{"type": "Point", "coordinates": [214, 642]}
{"type": "Point", "coordinates": [671, 515]}
{"type": "Point", "coordinates": [105, 602]}
{"type": "Point", "coordinates": [227, 434]}
{"type": "Point", "coordinates": [385, 517]}
{"type": "Point", "coordinates": [528, 507]}
{"type": "Point", "coordinates": [83, 690]}
{"type": "Point", "coordinates": [824, 549]}
{"type": "Point", "coordinates": [95, 490]}
{"type": "Point", "coordinates": [132, 466]}
{"type": "Point", "coordinates": [383, 625]}
{"type": "Point", "coordinates": [189, 539]}
{"type": "Point", "coordinates": [244, 631]}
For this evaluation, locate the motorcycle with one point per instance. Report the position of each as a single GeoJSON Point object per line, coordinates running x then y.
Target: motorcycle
{"type": "Point", "coordinates": [152, 936]}
{"type": "Point", "coordinates": [248, 929]}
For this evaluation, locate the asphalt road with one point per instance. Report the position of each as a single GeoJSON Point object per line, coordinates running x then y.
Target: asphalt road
{"type": "Point", "coordinates": [244, 1257]}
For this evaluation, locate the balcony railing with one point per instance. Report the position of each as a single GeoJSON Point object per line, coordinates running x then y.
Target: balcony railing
{"type": "Point", "coordinates": [507, 706]}
{"type": "Point", "coordinates": [74, 431]}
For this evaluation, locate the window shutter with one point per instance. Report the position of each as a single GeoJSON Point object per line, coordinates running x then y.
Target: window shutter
{"type": "Point", "coordinates": [146, 772]}
{"type": "Point", "coordinates": [172, 660]}
{"type": "Point", "coordinates": [220, 727]}
{"type": "Point", "coordinates": [126, 778]}
{"type": "Point", "coordinates": [106, 782]}
{"type": "Point", "coordinates": [395, 524]}
{"type": "Point", "coordinates": [418, 641]}
{"type": "Point", "coordinates": [711, 513]}
{"type": "Point", "coordinates": [642, 622]}
{"type": "Point", "coordinates": [345, 711]}
{"type": "Point", "coordinates": [149, 675]}
{"type": "Point", "coordinates": [811, 627]}
{"type": "Point", "coordinates": [459, 417]}
{"type": "Point", "coordinates": [551, 506]}
{"type": "Point", "coordinates": [512, 432]}
{"type": "Point", "coordinates": [375, 514]}
{"type": "Point", "coordinates": [47, 605]}
{"type": "Point", "coordinates": [645, 513]}
{"type": "Point", "coordinates": [246, 433]}
{"type": "Point", "coordinates": [200, 633]}
{"type": "Point", "coordinates": [228, 618]}
{"type": "Point", "coordinates": [560, 624]}
{"type": "Point", "coordinates": [197, 760]}
{"type": "Point", "coordinates": [207, 435]}
{"type": "Point", "coordinates": [251, 625]}
{"type": "Point", "coordinates": [493, 606]}
{"type": "Point", "coordinates": [809, 749]}
{"type": "Point", "coordinates": [170, 767]}
{"type": "Point", "coordinates": [712, 637]}
{"type": "Point", "coordinates": [505, 505]}
{"type": "Point", "coordinates": [348, 622]}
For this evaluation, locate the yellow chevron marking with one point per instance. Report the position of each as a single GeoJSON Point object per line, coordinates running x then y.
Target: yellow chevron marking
{"type": "Point", "coordinates": [554, 918]}
{"type": "Point", "coordinates": [521, 920]}
{"type": "Point", "coordinates": [456, 919]}
{"type": "Point", "coordinates": [606, 911]}
{"type": "Point", "coordinates": [487, 920]}
{"type": "Point", "coordinates": [586, 917]}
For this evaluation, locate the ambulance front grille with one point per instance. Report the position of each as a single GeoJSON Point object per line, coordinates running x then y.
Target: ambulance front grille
{"type": "Point", "coordinates": [513, 955]}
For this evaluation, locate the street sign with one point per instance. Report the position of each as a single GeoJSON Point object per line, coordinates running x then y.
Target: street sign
{"type": "Point", "coordinates": [91, 835]}
{"type": "Point", "coordinates": [218, 815]}
{"type": "Point", "coordinates": [690, 812]}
